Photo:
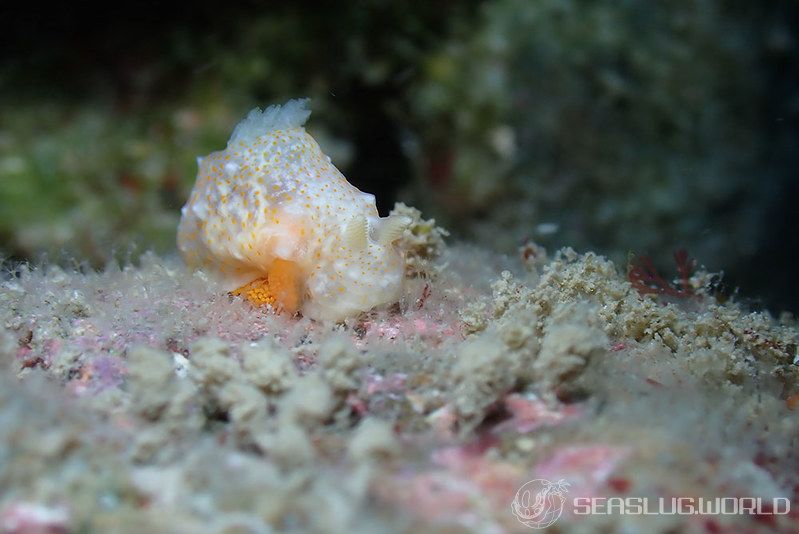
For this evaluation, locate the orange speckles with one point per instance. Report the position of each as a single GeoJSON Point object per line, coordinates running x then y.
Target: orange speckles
{"type": "Point", "coordinates": [278, 195]}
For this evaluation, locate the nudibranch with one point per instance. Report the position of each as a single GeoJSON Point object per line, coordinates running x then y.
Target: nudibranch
{"type": "Point", "coordinates": [282, 226]}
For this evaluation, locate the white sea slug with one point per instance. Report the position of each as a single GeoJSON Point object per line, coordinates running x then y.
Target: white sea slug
{"type": "Point", "coordinates": [282, 226]}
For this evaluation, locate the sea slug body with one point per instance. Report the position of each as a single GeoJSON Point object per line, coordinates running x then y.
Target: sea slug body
{"type": "Point", "coordinates": [282, 226]}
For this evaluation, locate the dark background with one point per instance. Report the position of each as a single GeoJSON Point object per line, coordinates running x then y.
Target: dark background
{"type": "Point", "coordinates": [104, 109]}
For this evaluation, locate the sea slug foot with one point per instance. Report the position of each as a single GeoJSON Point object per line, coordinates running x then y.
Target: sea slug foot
{"type": "Point", "coordinates": [280, 288]}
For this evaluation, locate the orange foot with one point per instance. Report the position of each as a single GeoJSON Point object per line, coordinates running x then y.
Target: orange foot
{"type": "Point", "coordinates": [280, 288]}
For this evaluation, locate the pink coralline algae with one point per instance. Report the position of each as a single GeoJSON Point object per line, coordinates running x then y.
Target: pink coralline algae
{"type": "Point", "coordinates": [402, 328]}
{"type": "Point", "coordinates": [465, 486]}
{"type": "Point", "coordinates": [529, 413]}
{"type": "Point", "coordinates": [34, 518]}
{"type": "Point", "coordinates": [586, 467]}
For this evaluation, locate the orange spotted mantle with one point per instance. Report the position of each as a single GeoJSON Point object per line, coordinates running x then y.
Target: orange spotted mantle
{"type": "Point", "coordinates": [275, 219]}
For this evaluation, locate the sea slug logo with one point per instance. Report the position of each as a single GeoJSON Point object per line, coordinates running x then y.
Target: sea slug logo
{"type": "Point", "coordinates": [539, 503]}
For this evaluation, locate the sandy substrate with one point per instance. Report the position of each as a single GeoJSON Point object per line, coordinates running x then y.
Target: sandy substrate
{"type": "Point", "coordinates": [145, 399]}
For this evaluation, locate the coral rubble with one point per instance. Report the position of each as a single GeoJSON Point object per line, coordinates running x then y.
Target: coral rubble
{"type": "Point", "coordinates": [145, 395]}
